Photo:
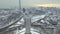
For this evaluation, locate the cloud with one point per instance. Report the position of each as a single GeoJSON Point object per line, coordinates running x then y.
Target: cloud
{"type": "Point", "coordinates": [47, 5]}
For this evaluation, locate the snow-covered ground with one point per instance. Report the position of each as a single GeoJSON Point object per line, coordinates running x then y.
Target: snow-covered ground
{"type": "Point", "coordinates": [32, 31]}
{"type": "Point", "coordinates": [35, 18]}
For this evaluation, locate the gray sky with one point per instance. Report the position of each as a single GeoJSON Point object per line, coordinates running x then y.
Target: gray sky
{"type": "Point", "coordinates": [14, 3]}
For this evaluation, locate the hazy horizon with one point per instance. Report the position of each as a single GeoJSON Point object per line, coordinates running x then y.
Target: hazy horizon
{"type": "Point", "coordinates": [28, 3]}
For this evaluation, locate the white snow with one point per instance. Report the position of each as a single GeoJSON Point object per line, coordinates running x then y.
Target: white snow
{"type": "Point", "coordinates": [32, 31]}
{"type": "Point", "coordinates": [35, 18]}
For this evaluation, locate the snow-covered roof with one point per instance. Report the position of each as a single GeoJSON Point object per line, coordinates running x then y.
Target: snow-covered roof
{"type": "Point", "coordinates": [35, 18]}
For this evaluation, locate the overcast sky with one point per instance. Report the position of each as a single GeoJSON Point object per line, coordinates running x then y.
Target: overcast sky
{"type": "Point", "coordinates": [14, 3]}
